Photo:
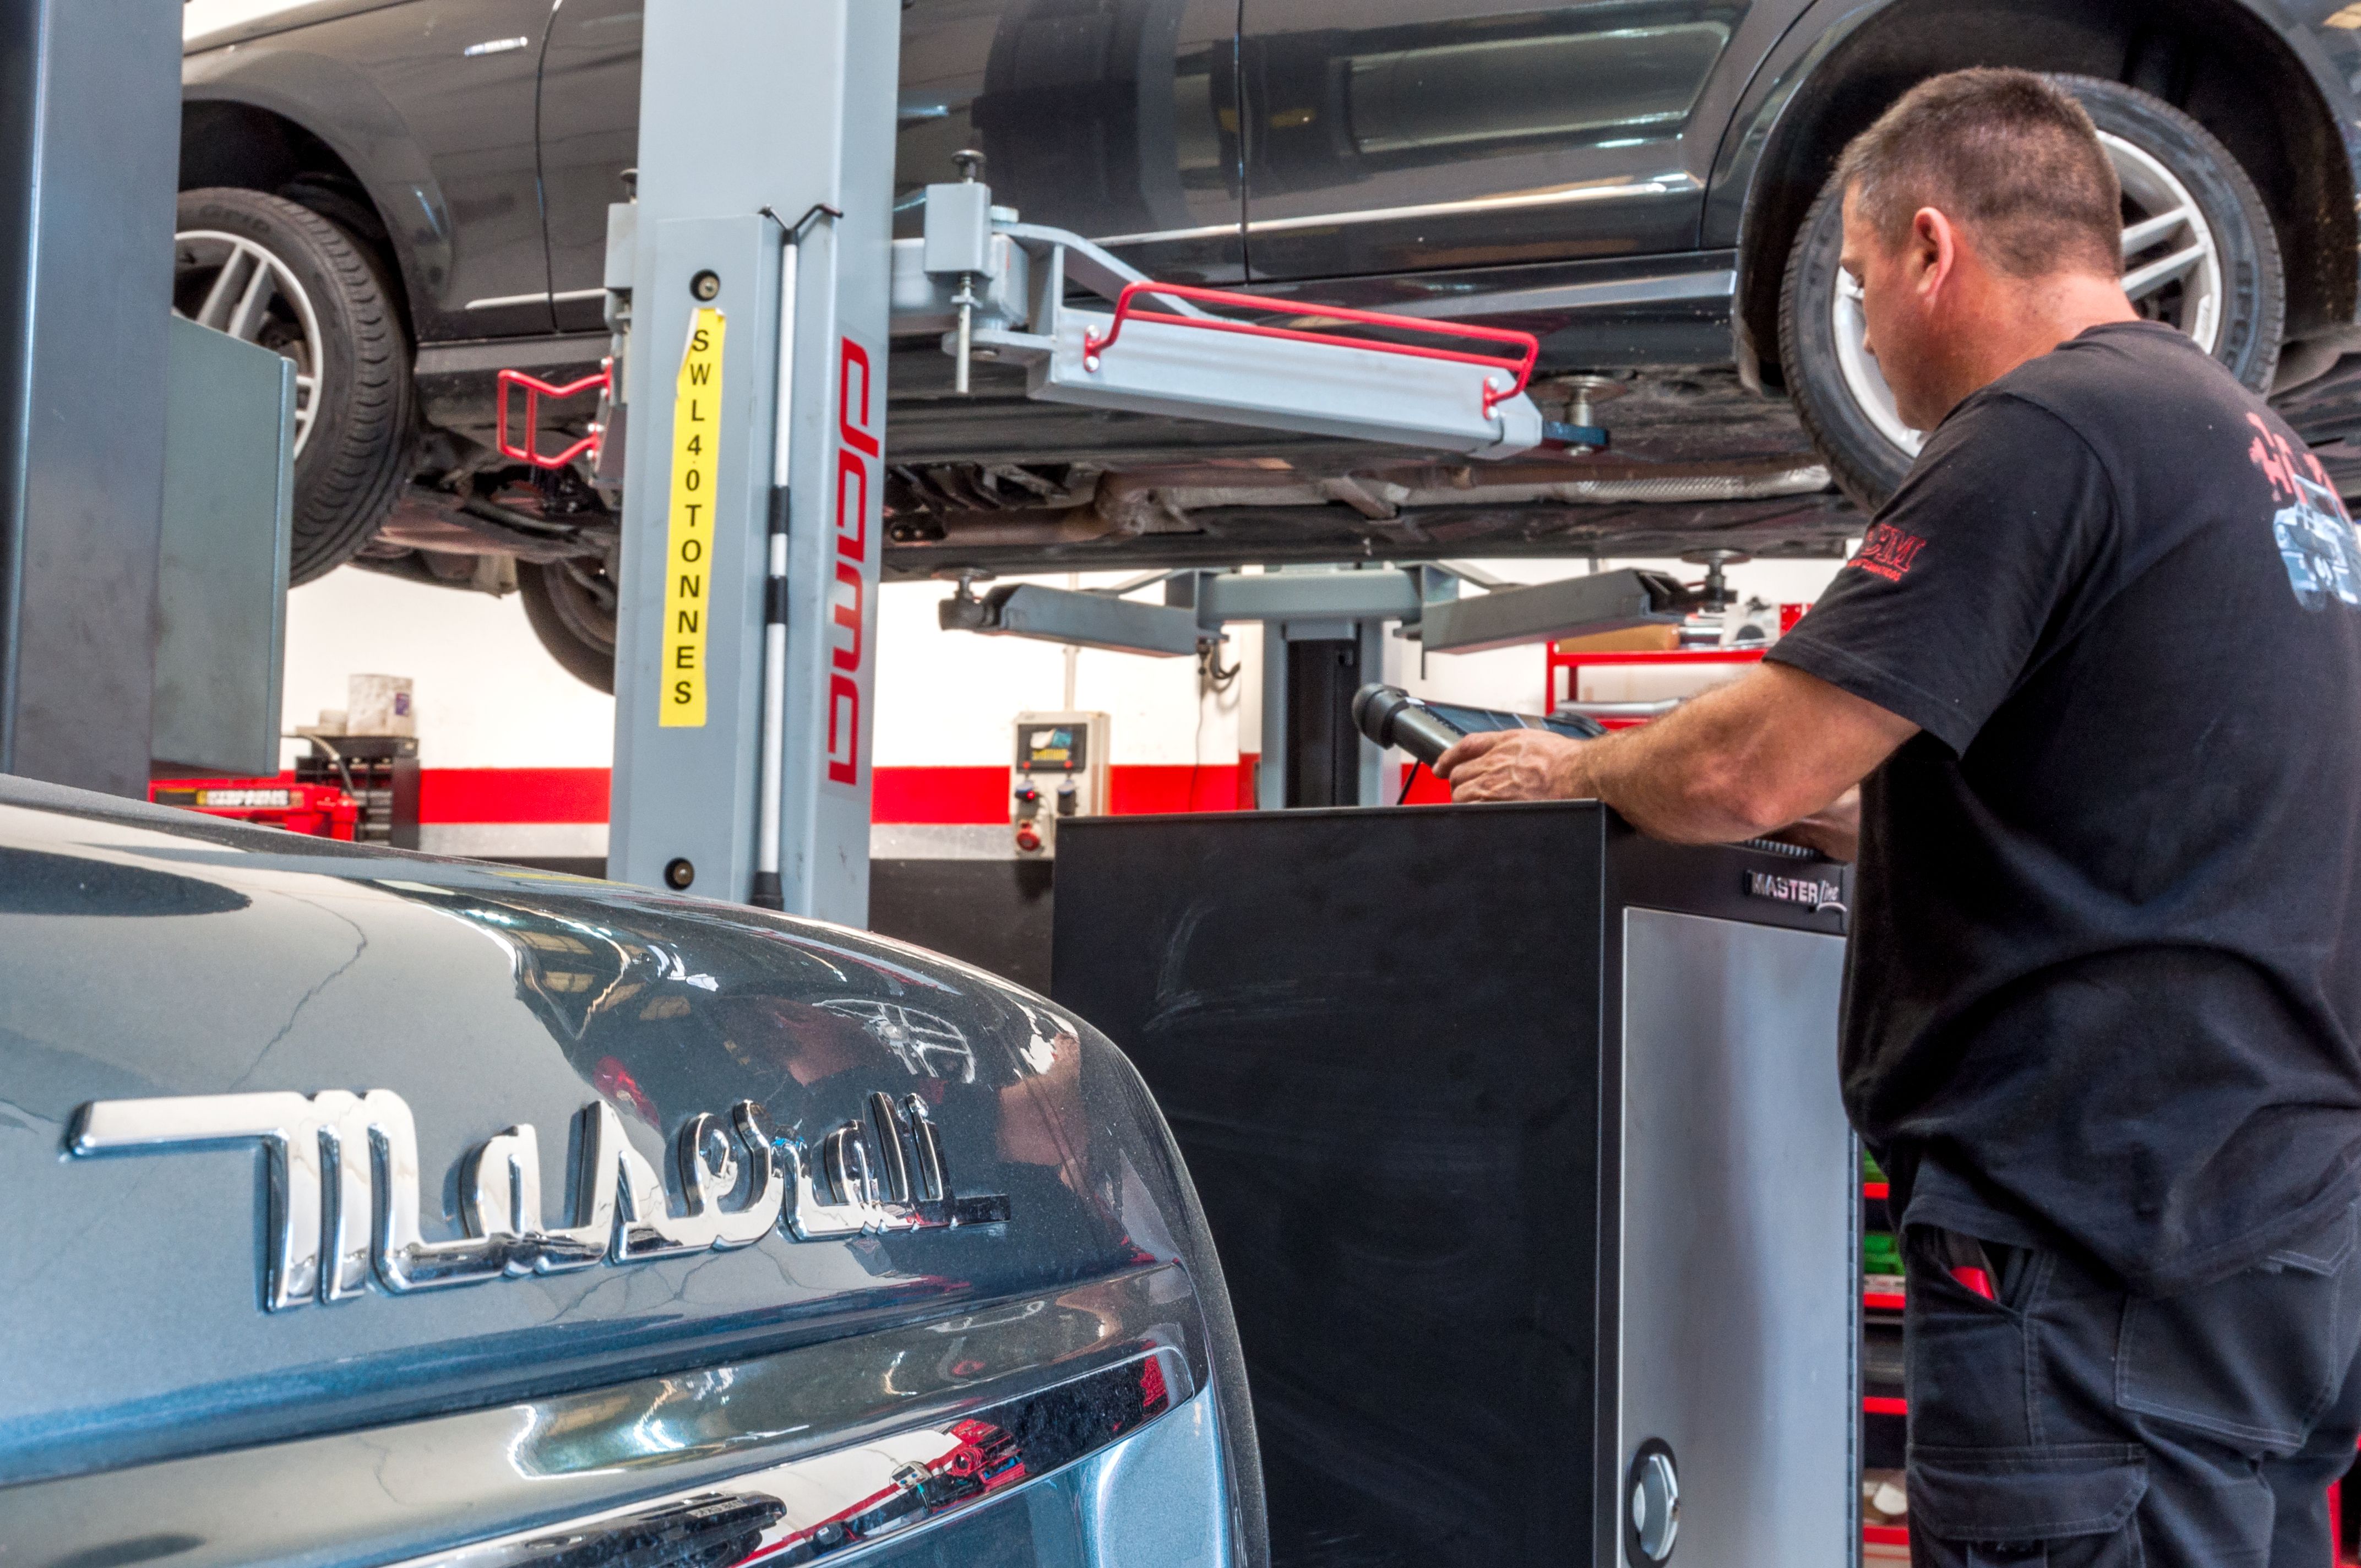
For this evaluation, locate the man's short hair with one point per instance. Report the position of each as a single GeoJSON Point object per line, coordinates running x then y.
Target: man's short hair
{"type": "Point", "coordinates": [2009, 156]}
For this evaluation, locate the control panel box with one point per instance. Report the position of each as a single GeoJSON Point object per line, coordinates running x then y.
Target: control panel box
{"type": "Point", "coordinates": [1061, 773]}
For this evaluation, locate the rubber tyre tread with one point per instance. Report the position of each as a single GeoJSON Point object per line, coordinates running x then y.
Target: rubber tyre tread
{"type": "Point", "coordinates": [582, 657]}
{"type": "Point", "coordinates": [1867, 467]}
{"type": "Point", "coordinates": [351, 470]}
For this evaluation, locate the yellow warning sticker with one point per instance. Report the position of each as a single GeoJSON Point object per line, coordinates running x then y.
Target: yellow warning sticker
{"type": "Point", "coordinates": [688, 559]}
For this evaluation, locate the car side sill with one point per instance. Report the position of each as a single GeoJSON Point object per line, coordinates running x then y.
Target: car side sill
{"type": "Point", "coordinates": [1672, 184]}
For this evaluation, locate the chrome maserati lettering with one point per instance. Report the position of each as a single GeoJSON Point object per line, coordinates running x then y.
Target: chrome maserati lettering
{"type": "Point", "coordinates": [344, 1182]}
{"type": "Point", "coordinates": [903, 1188]}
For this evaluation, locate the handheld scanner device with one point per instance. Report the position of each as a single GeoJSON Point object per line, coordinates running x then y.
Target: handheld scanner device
{"type": "Point", "coordinates": [1391, 717]}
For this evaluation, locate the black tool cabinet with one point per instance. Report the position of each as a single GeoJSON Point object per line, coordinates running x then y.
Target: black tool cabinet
{"type": "Point", "coordinates": [1519, 1139]}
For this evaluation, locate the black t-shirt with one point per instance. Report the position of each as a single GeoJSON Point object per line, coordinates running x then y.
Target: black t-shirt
{"type": "Point", "coordinates": [2103, 988]}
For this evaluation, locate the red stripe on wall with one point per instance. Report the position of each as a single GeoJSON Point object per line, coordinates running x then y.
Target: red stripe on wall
{"type": "Point", "coordinates": [945, 795]}
{"type": "Point", "coordinates": [1143, 787]}
{"type": "Point", "coordinates": [512, 795]}
{"type": "Point", "coordinates": [941, 794]}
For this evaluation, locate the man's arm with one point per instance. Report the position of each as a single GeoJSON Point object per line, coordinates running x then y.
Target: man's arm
{"type": "Point", "coordinates": [1835, 832]}
{"type": "Point", "coordinates": [1773, 748]}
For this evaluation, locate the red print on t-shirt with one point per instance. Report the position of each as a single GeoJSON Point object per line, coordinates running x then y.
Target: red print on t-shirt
{"type": "Point", "coordinates": [2285, 467]}
{"type": "Point", "coordinates": [1889, 552]}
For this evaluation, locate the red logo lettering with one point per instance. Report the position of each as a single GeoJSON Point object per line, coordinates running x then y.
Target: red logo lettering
{"type": "Point", "coordinates": [848, 615]}
{"type": "Point", "coordinates": [2271, 453]}
{"type": "Point", "coordinates": [843, 730]}
{"type": "Point", "coordinates": [1888, 552]}
{"type": "Point", "coordinates": [2285, 467]}
{"type": "Point", "coordinates": [852, 428]}
{"type": "Point", "coordinates": [851, 506]}
{"type": "Point", "coordinates": [857, 444]}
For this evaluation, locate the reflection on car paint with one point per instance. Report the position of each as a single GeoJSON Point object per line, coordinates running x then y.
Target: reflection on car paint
{"type": "Point", "coordinates": [1051, 1038]}
{"type": "Point", "coordinates": [488, 1003]}
{"type": "Point", "coordinates": [928, 1045]}
{"type": "Point", "coordinates": [836, 1502]}
{"type": "Point", "coordinates": [1547, 87]}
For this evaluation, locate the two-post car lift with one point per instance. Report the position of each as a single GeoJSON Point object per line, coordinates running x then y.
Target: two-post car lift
{"type": "Point", "coordinates": [754, 284]}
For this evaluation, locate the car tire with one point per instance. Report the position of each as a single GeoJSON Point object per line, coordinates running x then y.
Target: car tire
{"type": "Point", "coordinates": [331, 311]}
{"type": "Point", "coordinates": [2236, 291]}
{"type": "Point", "coordinates": [569, 618]}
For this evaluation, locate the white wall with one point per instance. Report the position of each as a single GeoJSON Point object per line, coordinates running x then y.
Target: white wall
{"type": "Point", "coordinates": [1511, 678]}
{"type": "Point", "coordinates": [949, 698]}
{"type": "Point", "coordinates": [488, 696]}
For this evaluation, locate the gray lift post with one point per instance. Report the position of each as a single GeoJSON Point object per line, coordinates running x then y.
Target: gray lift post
{"type": "Point", "coordinates": [1289, 689]}
{"type": "Point", "coordinates": [762, 126]}
{"type": "Point", "coordinates": [766, 145]}
{"type": "Point", "coordinates": [90, 108]}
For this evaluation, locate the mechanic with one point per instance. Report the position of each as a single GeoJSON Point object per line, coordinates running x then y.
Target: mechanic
{"type": "Point", "coordinates": [2096, 669]}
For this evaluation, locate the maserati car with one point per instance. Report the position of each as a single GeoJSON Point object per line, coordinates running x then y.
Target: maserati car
{"type": "Point", "coordinates": [379, 1209]}
{"type": "Point", "coordinates": [407, 196]}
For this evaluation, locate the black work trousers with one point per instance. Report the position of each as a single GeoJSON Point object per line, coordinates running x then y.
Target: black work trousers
{"type": "Point", "coordinates": [2068, 1423]}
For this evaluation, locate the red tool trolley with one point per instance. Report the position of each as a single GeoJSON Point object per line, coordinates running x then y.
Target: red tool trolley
{"type": "Point", "coordinates": [323, 811]}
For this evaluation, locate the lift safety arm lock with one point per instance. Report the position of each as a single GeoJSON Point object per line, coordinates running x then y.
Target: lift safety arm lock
{"type": "Point", "coordinates": [535, 388]}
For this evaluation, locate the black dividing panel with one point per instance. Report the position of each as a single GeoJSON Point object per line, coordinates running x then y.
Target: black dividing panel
{"type": "Point", "coordinates": [991, 913]}
{"type": "Point", "coordinates": [1374, 1035]}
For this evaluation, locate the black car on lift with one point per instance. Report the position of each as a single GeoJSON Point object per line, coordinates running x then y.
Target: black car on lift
{"type": "Point", "coordinates": [406, 196]}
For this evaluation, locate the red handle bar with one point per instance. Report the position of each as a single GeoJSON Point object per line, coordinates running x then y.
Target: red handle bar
{"type": "Point", "coordinates": [1528, 346]}
{"type": "Point", "coordinates": [535, 390]}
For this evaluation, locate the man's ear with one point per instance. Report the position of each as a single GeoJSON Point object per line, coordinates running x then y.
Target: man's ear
{"type": "Point", "coordinates": [1931, 252]}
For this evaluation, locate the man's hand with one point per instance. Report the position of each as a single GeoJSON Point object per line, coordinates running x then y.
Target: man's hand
{"type": "Point", "coordinates": [1513, 764]}
{"type": "Point", "coordinates": [1835, 832]}
{"type": "Point", "coordinates": [1773, 748]}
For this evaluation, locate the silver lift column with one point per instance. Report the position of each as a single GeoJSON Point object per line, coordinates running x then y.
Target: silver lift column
{"type": "Point", "coordinates": [748, 105]}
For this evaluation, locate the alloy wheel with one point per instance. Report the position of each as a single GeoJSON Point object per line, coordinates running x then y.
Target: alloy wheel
{"type": "Point", "coordinates": [2172, 271]}
{"type": "Point", "coordinates": [235, 286]}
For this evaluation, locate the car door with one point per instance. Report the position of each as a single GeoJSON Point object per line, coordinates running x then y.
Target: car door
{"type": "Point", "coordinates": [1114, 119]}
{"type": "Point", "coordinates": [459, 75]}
{"type": "Point", "coordinates": [589, 135]}
{"type": "Point", "coordinates": [1388, 135]}
{"type": "Point", "coordinates": [1117, 118]}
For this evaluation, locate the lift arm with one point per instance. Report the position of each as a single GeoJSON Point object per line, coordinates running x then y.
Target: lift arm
{"type": "Point", "coordinates": [1571, 607]}
{"type": "Point", "coordinates": [1200, 604]}
{"type": "Point", "coordinates": [1000, 286]}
